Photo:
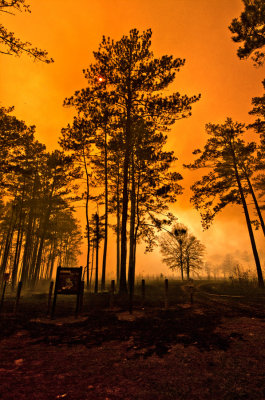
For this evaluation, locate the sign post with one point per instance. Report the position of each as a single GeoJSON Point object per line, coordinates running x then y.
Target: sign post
{"type": "Point", "coordinates": [50, 297]}
{"type": "Point", "coordinates": [6, 278]}
{"type": "Point", "coordinates": [166, 294]}
{"type": "Point", "coordinates": [68, 281]}
{"type": "Point", "coordinates": [143, 292]}
{"type": "Point", "coordinates": [19, 287]}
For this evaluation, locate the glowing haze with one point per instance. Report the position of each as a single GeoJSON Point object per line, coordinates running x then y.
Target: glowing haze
{"type": "Point", "coordinates": [192, 29]}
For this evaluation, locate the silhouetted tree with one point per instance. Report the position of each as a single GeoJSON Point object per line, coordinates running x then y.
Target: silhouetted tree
{"type": "Point", "coordinates": [259, 111]}
{"type": "Point", "coordinates": [259, 162]}
{"type": "Point", "coordinates": [13, 133]}
{"type": "Point", "coordinates": [125, 84]}
{"type": "Point", "coordinates": [249, 29]}
{"type": "Point", "coordinates": [152, 187]}
{"type": "Point", "coordinates": [12, 45]}
{"type": "Point", "coordinates": [181, 250]}
{"type": "Point", "coordinates": [79, 138]}
{"type": "Point", "coordinates": [35, 187]}
{"type": "Point", "coordinates": [58, 174]}
{"type": "Point", "coordinates": [95, 107]}
{"type": "Point", "coordinates": [226, 181]}
{"type": "Point", "coordinates": [64, 238]}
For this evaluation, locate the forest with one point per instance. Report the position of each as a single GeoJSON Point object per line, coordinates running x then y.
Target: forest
{"type": "Point", "coordinates": [116, 163]}
{"type": "Point", "coordinates": [114, 155]}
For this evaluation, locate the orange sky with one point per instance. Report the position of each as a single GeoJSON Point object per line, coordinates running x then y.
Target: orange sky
{"type": "Point", "coordinates": [192, 29]}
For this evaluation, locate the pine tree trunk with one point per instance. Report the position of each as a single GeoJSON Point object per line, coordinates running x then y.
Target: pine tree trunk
{"type": "Point", "coordinates": [20, 233]}
{"type": "Point", "coordinates": [8, 242]}
{"type": "Point", "coordinates": [8, 246]}
{"type": "Point", "coordinates": [181, 262]}
{"type": "Point", "coordinates": [97, 248]}
{"type": "Point", "coordinates": [256, 204]}
{"type": "Point", "coordinates": [92, 263]}
{"type": "Point", "coordinates": [131, 272]}
{"type": "Point", "coordinates": [27, 249]}
{"type": "Point", "coordinates": [43, 230]}
{"type": "Point", "coordinates": [33, 252]}
{"type": "Point", "coordinates": [29, 238]}
{"type": "Point", "coordinates": [6, 252]}
{"type": "Point", "coordinates": [87, 219]}
{"type": "Point", "coordinates": [123, 285]}
{"type": "Point", "coordinates": [88, 248]}
{"type": "Point", "coordinates": [118, 227]}
{"type": "Point", "coordinates": [138, 221]}
{"type": "Point", "coordinates": [17, 256]}
{"type": "Point", "coordinates": [103, 276]}
{"type": "Point", "coordinates": [52, 259]}
{"type": "Point", "coordinates": [188, 268]}
{"type": "Point", "coordinates": [250, 230]}
{"type": "Point", "coordinates": [2, 246]}
{"type": "Point", "coordinates": [33, 264]}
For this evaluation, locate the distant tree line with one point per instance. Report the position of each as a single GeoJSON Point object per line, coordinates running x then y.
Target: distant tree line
{"type": "Point", "coordinates": [38, 229]}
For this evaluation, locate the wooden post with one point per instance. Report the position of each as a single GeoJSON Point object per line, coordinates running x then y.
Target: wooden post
{"type": "Point", "coordinates": [112, 290]}
{"type": "Point", "coordinates": [190, 288]}
{"type": "Point", "coordinates": [79, 294]}
{"type": "Point", "coordinates": [130, 302]}
{"type": "Point", "coordinates": [49, 298]}
{"type": "Point", "coordinates": [81, 298]}
{"type": "Point", "coordinates": [55, 292]}
{"type": "Point", "coordinates": [17, 296]}
{"type": "Point", "coordinates": [166, 294]}
{"type": "Point", "coordinates": [3, 296]}
{"type": "Point", "coordinates": [143, 292]}
{"type": "Point", "coordinates": [191, 293]}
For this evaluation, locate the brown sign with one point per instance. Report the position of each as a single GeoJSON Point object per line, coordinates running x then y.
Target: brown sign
{"type": "Point", "coordinates": [68, 280]}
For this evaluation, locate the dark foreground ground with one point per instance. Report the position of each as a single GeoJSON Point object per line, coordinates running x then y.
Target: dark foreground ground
{"type": "Point", "coordinates": [213, 349]}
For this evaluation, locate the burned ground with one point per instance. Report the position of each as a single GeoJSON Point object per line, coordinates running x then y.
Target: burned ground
{"type": "Point", "coordinates": [213, 349]}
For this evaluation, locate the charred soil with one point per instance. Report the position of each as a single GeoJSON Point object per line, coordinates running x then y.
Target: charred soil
{"type": "Point", "coordinates": [213, 349]}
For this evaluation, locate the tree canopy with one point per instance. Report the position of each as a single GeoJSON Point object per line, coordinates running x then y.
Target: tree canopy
{"type": "Point", "coordinates": [130, 115]}
{"type": "Point", "coordinates": [249, 29]}
{"type": "Point", "coordinates": [229, 164]}
{"type": "Point", "coordinates": [181, 250]}
{"type": "Point", "coordinates": [10, 44]}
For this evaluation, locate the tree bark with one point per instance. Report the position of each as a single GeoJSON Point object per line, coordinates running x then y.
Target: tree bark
{"type": "Point", "coordinates": [87, 219]}
{"type": "Point", "coordinates": [8, 242]}
{"type": "Point", "coordinates": [123, 285]}
{"type": "Point", "coordinates": [28, 239]}
{"type": "Point", "coordinates": [118, 225]}
{"type": "Point", "coordinates": [33, 269]}
{"type": "Point", "coordinates": [250, 230]}
{"type": "Point", "coordinates": [103, 276]}
{"type": "Point", "coordinates": [97, 248]}
{"type": "Point", "coordinates": [256, 204]}
{"type": "Point", "coordinates": [17, 256]}
{"type": "Point", "coordinates": [131, 272]}
{"type": "Point", "coordinates": [92, 263]}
